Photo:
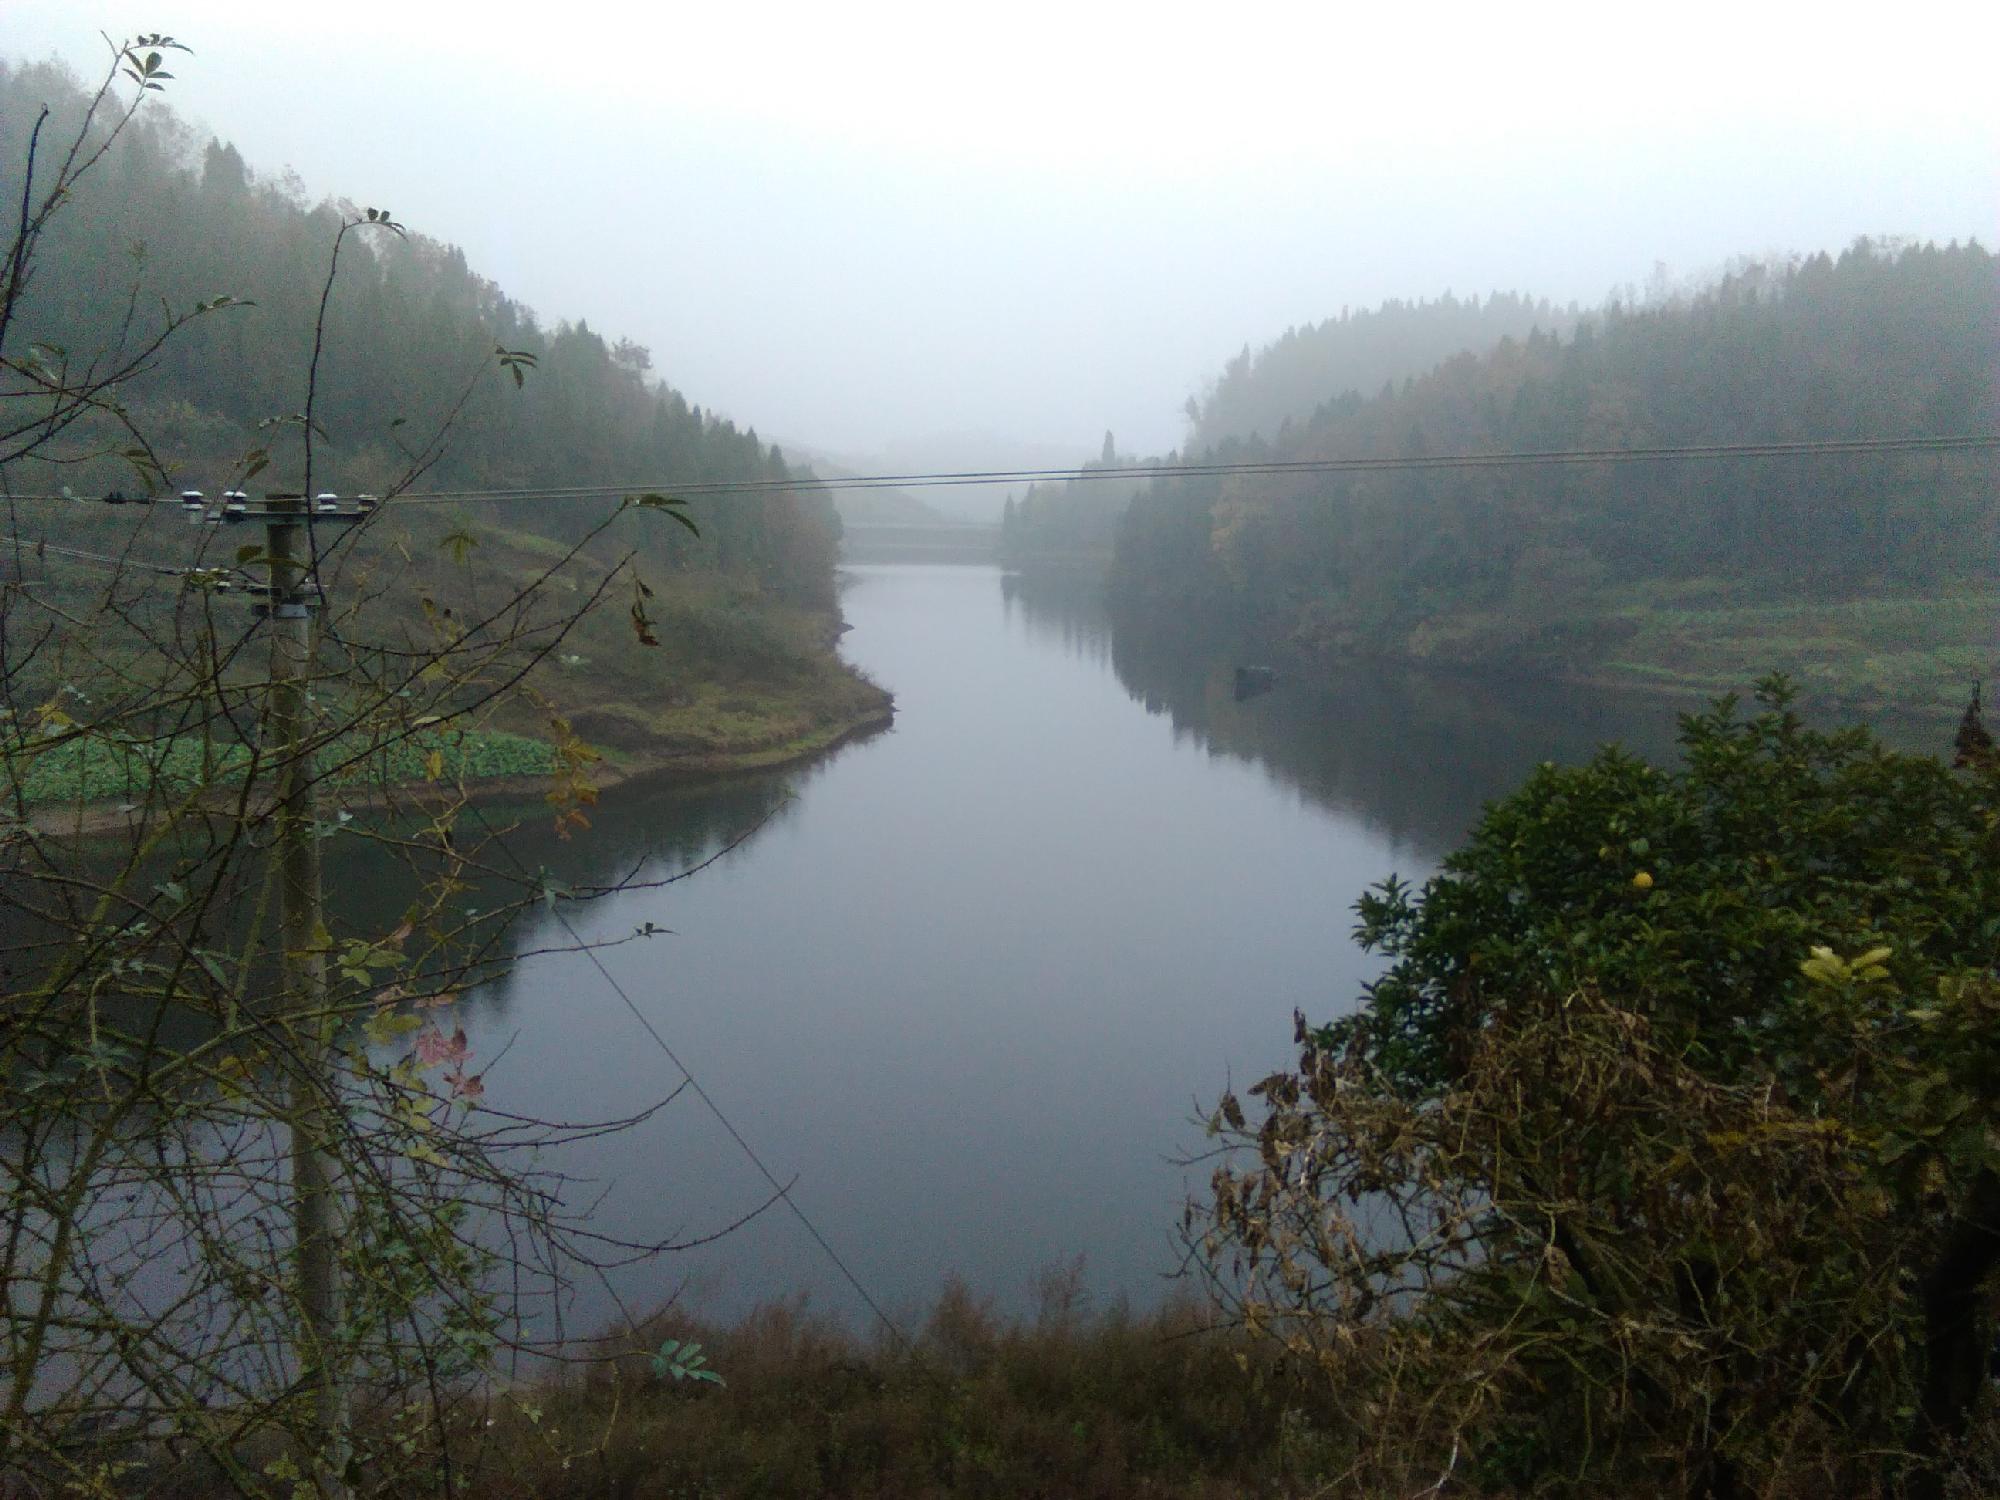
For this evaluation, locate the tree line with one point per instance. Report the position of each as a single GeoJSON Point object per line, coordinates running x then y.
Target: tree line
{"type": "Point", "coordinates": [1266, 396]}
{"type": "Point", "coordinates": [1881, 341]}
{"type": "Point", "coordinates": [1287, 381]}
{"type": "Point", "coordinates": [172, 218]}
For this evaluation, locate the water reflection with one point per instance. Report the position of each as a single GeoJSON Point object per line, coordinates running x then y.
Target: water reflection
{"type": "Point", "coordinates": [652, 828]}
{"type": "Point", "coordinates": [971, 980]}
{"type": "Point", "coordinates": [1413, 756]}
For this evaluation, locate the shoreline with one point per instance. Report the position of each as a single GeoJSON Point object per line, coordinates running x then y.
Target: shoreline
{"type": "Point", "coordinates": [726, 765]}
{"type": "Point", "coordinates": [616, 768]}
{"type": "Point", "coordinates": [1629, 680]}
{"type": "Point", "coordinates": [1651, 686]}
{"type": "Point", "coordinates": [1890, 656]}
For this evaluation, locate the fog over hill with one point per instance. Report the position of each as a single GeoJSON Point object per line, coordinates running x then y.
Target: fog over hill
{"type": "Point", "coordinates": [884, 506]}
{"type": "Point", "coordinates": [863, 226]}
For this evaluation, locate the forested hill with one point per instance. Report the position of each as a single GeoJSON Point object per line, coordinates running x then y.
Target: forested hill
{"type": "Point", "coordinates": [1359, 351]}
{"type": "Point", "coordinates": [181, 217]}
{"type": "Point", "coordinates": [1656, 569]}
{"type": "Point", "coordinates": [727, 658]}
{"type": "Point", "coordinates": [1266, 395]}
{"type": "Point", "coordinates": [1069, 522]}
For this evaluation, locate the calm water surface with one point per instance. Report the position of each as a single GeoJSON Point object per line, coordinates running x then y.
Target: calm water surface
{"type": "Point", "coordinates": [973, 979]}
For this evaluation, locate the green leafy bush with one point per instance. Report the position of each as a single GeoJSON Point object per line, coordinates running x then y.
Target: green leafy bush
{"type": "Point", "coordinates": [1666, 1156]}
{"type": "Point", "coordinates": [1700, 889]}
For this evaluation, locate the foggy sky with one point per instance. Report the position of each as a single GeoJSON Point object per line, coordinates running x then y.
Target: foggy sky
{"type": "Point", "coordinates": [864, 227]}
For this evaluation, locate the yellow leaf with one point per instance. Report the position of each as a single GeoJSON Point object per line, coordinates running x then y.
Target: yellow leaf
{"type": "Point", "coordinates": [230, 1073]}
{"type": "Point", "coordinates": [385, 1028]}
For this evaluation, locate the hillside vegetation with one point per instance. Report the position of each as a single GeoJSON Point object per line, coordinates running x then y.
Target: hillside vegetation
{"type": "Point", "coordinates": [1866, 576]}
{"type": "Point", "coordinates": [1069, 522]}
{"type": "Point", "coordinates": [1265, 396]}
{"type": "Point", "coordinates": [1687, 1076]}
{"type": "Point", "coordinates": [738, 675]}
{"type": "Point", "coordinates": [1287, 381]}
{"type": "Point", "coordinates": [743, 605]}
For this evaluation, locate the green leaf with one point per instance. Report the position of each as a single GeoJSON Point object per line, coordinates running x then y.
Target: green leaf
{"type": "Point", "coordinates": [670, 505]}
{"type": "Point", "coordinates": [680, 1362]}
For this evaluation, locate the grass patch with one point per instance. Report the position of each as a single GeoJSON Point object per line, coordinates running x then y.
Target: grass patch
{"type": "Point", "coordinates": [1168, 1404]}
{"type": "Point", "coordinates": [1913, 652]}
{"type": "Point", "coordinates": [94, 768]}
{"type": "Point", "coordinates": [740, 676]}
{"type": "Point", "coordinates": [1895, 650]}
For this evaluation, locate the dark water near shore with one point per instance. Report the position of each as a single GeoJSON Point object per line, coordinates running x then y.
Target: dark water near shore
{"type": "Point", "coordinates": [969, 984]}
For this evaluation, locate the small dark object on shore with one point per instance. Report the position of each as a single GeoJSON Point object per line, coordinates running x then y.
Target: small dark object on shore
{"type": "Point", "coordinates": [1250, 681]}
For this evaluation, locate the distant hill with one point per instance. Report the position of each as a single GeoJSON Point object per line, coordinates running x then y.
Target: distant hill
{"type": "Point", "coordinates": [408, 324]}
{"type": "Point", "coordinates": [1069, 523]}
{"type": "Point", "coordinates": [957, 453]}
{"type": "Point", "coordinates": [1361, 350]}
{"type": "Point", "coordinates": [870, 507]}
{"type": "Point", "coordinates": [411, 330]}
{"type": "Point", "coordinates": [1868, 573]}
{"type": "Point", "coordinates": [879, 507]}
{"type": "Point", "coordinates": [1263, 396]}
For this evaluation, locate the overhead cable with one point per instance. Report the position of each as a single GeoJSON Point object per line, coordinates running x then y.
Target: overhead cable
{"type": "Point", "coordinates": [1660, 453]}
{"type": "Point", "coordinates": [779, 1189]}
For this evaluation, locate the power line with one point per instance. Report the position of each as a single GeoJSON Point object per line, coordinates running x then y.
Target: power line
{"type": "Point", "coordinates": [1664, 453]}
{"type": "Point", "coordinates": [1819, 448]}
{"type": "Point", "coordinates": [1822, 448]}
{"type": "Point", "coordinates": [1814, 448]}
{"type": "Point", "coordinates": [223, 577]}
{"type": "Point", "coordinates": [102, 558]}
{"type": "Point", "coordinates": [1661, 453]}
{"type": "Point", "coordinates": [780, 1189]}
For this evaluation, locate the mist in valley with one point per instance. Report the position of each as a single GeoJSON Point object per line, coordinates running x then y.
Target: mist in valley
{"type": "Point", "coordinates": [902, 238]}
{"type": "Point", "coordinates": [862, 614]}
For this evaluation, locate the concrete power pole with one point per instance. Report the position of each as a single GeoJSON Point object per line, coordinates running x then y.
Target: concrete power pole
{"type": "Point", "coordinates": [311, 1087]}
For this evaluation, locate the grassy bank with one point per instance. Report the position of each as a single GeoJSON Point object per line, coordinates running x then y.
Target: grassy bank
{"type": "Point", "coordinates": [1169, 1405]}
{"type": "Point", "coordinates": [762, 735]}
{"type": "Point", "coordinates": [1905, 652]}
{"type": "Point", "coordinates": [101, 770]}
{"type": "Point", "coordinates": [1172, 1404]}
{"type": "Point", "coordinates": [736, 676]}
{"type": "Point", "coordinates": [1166, 1405]}
{"type": "Point", "coordinates": [1916, 652]}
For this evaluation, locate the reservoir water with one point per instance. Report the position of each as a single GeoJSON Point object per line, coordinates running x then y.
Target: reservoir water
{"type": "Point", "coordinates": [968, 986]}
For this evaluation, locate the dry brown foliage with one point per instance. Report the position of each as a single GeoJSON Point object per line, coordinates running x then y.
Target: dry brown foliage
{"type": "Point", "coordinates": [1583, 1265]}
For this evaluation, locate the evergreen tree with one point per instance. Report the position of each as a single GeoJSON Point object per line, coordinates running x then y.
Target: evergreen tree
{"type": "Point", "coordinates": [1873, 344]}
{"type": "Point", "coordinates": [406, 321]}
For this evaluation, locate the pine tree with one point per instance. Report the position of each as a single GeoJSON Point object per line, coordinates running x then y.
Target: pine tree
{"type": "Point", "coordinates": [1974, 745]}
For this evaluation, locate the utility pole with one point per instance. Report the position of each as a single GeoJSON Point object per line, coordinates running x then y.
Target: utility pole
{"type": "Point", "coordinates": [310, 1102]}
